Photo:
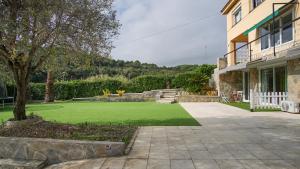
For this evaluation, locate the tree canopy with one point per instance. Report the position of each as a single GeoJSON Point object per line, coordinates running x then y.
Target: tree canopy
{"type": "Point", "coordinates": [31, 30]}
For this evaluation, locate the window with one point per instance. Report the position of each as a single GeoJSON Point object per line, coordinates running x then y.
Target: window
{"type": "Point", "coordinates": [237, 15]}
{"type": "Point", "coordinates": [280, 79]}
{"type": "Point", "coordinates": [256, 3]}
{"type": "Point", "coordinates": [287, 30]}
{"type": "Point", "coordinates": [264, 40]}
{"type": "Point", "coordinates": [276, 33]}
{"type": "Point", "coordinates": [267, 80]}
{"type": "Point", "coordinates": [274, 79]}
{"type": "Point", "coordinates": [283, 32]}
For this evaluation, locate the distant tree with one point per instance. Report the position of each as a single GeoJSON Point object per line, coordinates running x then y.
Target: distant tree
{"type": "Point", "coordinates": [30, 31]}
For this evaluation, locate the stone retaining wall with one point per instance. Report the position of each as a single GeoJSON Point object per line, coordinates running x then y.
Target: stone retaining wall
{"type": "Point", "coordinates": [197, 98]}
{"type": "Point", "coordinates": [294, 80]}
{"type": "Point", "coordinates": [56, 151]}
{"type": "Point", "coordinates": [128, 97]}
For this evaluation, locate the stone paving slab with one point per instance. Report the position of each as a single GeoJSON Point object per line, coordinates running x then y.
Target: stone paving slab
{"type": "Point", "coordinates": [229, 138]}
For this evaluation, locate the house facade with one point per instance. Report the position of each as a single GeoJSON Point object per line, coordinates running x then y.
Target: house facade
{"type": "Point", "coordinates": [263, 42]}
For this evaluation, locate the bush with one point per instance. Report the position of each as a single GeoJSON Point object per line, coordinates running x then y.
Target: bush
{"type": "Point", "coordinates": [149, 82]}
{"type": "Point", "coordinates": [37, 91]}
{"type": "Point", "coordinates": [192, 82]}
{"type": "Point", "coordinates": [106, 92]}
{"type": "Point", "coordinates": [74, 89]}
{"type": "Point", "coordinates": [120, 92]}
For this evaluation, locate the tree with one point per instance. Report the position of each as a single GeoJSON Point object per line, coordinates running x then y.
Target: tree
{"type": "Point", "coordinates": [206, 69]}
{"type": "Point", "coordinates": [31, 30]}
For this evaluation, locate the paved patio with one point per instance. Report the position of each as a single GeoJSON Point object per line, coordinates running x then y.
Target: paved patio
{"type": "Point", "coordinates": [230, 138]}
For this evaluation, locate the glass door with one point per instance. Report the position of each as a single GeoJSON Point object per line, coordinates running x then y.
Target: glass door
{"type": "Point", "coordinates": [267, 80]}
{"type": "Point", "coordinates": [246, 86]}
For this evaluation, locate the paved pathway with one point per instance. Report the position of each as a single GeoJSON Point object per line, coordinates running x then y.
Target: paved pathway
{"type": "Point", "coordinates": [230, 138]}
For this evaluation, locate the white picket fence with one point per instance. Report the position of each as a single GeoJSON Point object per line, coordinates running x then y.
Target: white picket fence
{"type": "Point", "coordinates": [267, 100]}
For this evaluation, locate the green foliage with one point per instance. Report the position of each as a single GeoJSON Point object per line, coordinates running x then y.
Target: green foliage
{"type": "Point", "coordinates": [106, 66]}
{"type": "Point", "coordinates": [206, 69]}
{"type": "Point", "coordinates": [195, 80]}
{"type": "Point", "coordinates": [191, 81]}
{"type": "Point", "coordinates": [37, 91]}
{"type": "Point", "coordinates": [150, 82]}
{"type": "Point", "coordinates": [75, 89]}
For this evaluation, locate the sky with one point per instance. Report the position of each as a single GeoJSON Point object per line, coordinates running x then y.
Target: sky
{"type": "Point", "coordinates": [170, 32]}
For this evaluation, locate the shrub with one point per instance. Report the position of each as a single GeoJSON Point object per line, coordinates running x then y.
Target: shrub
{"type": "Point", "coordinates": [66, 90]}
{"type": "Point", "coordinates": [106, 92]}
{"type": "Point", "coordinates": [120, 92]}
{"type": "Point", "coordinates": [191, 82]}
{"type": "Point", "coordinates": [150, 82]}
{"type": "Point", "coordinates": [37, 91]}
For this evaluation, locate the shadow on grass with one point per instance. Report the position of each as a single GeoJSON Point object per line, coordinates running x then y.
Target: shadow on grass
{"type": "Point", "coordinates": [34, 107]}
{"type": "Point", "coordinates": [44, 107]}
{"type": "Point", "coordinates": [149, 122]}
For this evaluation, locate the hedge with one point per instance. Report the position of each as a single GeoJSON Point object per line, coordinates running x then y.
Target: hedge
{"type": "Point", "coordinates": [75, 89]}
{"type": "Point", "coordinates": [150, 82]}
{"type": "Point", "coordinates": [191, 82]}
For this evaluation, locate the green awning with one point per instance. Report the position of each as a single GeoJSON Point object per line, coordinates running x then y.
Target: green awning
{"type": "Point", "coordinates": [261, 23]}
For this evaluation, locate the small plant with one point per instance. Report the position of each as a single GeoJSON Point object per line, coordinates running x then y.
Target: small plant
{"type": "Point", "coordinates": [212, 93]}
{"type": "Point", "coordinates": [121, 92]}
{"type": "Point", "coordinates": [106, 92]}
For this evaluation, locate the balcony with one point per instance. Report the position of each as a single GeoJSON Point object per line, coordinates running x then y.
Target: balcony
{"type": "Point", "coordinates": [276, 48]}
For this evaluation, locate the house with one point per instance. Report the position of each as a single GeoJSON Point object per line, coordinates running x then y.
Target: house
{"type": "Point", "coordinates": [263, 41]}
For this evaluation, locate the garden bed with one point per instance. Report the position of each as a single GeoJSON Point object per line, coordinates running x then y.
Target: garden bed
{"type": "Point", "coordinates": [36, 139]}
{"type": "Point", "coordinates": [38, 128]}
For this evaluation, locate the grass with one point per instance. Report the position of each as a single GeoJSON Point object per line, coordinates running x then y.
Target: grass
{"type": "Point", "coordinates": [125, 113]}
{"type": "Point", "coordinates": [246, 106]}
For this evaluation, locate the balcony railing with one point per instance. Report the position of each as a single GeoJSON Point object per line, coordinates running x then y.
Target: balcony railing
{"type": "Point", "coordinates": [242, 55]}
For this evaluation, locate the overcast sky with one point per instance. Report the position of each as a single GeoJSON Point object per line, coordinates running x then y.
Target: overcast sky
{"type": "Point", "coordinates": [170, 32]}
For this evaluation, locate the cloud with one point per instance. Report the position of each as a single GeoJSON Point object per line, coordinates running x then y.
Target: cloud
{"type": "Point", "coordinates": [170, 32]}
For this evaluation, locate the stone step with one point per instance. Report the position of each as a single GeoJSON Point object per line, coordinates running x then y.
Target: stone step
{"type": "Point", "coordinates": [22, 164]}
{"type": "Point", "coordinates": [168, 95]}
{"type": "Point", "coordinates": [166, 101]}
{"type": "Point", "coordinates": [167, 98]}
{"type": "Point", "coordinates": [169, 92]}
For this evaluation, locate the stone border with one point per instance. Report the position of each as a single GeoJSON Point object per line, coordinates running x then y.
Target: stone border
{"type": "Point", "coordinates": [57, 151]}
{"type": "Point", "coordinates": [197, 98]}
{"type": "Point", "coordinates": [131, 143]}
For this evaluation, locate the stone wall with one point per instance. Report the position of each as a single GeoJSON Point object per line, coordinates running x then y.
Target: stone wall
{"type": "Point", "coordinates": [294, 80]}
{"type": "Point", "coordinates": [230, 82]}
{"type": "Point", "coordinates": [56, 151]}
{"type": "Point", "coordinates": [197, 98]}
{"type": "Point", "coordinates": [128, 97]}
{"type": "Point", "coordinates": [254, 79]}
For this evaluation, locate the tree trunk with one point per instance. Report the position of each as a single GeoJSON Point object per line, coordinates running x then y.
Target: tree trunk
{"type": "Point", "coordinates": [19, 109]}
{"type": "Point", "coordinates": [49, 92]}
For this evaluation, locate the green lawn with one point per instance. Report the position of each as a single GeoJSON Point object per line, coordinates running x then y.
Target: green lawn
{"type": "Point", "coordinates": [246, 106]}
{"type": "Point", "coordinates": [143, 114]}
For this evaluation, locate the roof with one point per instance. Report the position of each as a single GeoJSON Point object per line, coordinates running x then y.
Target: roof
{"type": "Point", "coordinates": [228, 6]}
